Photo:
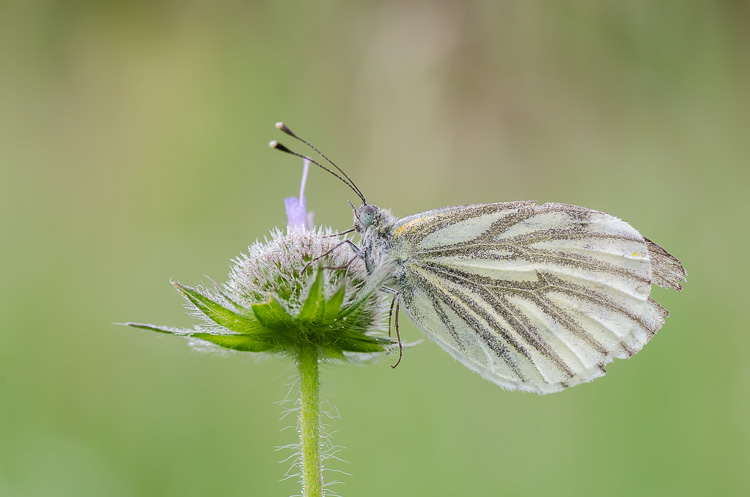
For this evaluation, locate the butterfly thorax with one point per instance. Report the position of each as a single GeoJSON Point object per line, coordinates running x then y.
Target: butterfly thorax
{"type": "Point", "coordinates": [375, 226]}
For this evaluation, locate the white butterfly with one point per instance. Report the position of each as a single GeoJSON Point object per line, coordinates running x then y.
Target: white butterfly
{"type": "Point", "coordinates": [532, 297]}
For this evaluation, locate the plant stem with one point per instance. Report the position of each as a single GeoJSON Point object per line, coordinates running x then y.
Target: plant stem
{"type": "Point", "coordinates": [309, 416]}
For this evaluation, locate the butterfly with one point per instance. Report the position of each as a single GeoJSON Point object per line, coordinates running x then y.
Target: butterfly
{"type": "Point", "coordinates": [533, 297]}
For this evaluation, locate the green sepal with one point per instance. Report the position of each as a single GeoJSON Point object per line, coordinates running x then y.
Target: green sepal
{"type": "Point", "coordinates": [323, 323]}
{"type": "Point", "coordinates": [160, 329]}
{"type": "Point", "coordinates": [242, 310]}
{"type": "Point", "coordinates": [314, 308]}
{"type": "Point", "coordinates": [353, 311]}
{"type": "Point", "coordinates": [270, 314]}
{"type": "Point", "coordinates": [333, 306]}
{"type": "Point", "coordinates": [219, 314]}
{"type": "Point", "coordinates": [241, 343]}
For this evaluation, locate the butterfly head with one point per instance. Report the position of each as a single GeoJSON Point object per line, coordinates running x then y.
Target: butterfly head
{"type": "Point", "coordinates": [365, 216]}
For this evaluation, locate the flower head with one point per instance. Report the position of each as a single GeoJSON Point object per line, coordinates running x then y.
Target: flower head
{"type": "Point", "coordinates": [300, 288]}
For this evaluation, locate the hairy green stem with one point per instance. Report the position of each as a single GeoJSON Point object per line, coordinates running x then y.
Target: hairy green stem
{"type": "Point", "coordinates": [309, 416]}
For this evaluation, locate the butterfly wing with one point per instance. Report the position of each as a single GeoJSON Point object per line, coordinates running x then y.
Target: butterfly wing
{"type": "Point", "coordinates": [532, 297]}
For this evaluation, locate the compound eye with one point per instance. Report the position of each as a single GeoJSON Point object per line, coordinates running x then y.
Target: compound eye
{"type": "Point", "coordinates": [367, 214]}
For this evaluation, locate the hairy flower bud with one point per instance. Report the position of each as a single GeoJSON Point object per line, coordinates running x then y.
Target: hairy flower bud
{"type": "Point", "coordinates": [297, 289]}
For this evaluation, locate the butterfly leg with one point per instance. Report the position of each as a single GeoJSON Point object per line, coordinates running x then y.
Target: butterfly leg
{"type": "Point", "coordinates": [394, 303]}
{"type": "Point", "coordinates": [340, 233]}
{"type": "Point", "coordinates": [345, 266]}
{"type": "Point", "coordinates": [398, 335]}
{"type": "Point", "coordinates": [351, 244]}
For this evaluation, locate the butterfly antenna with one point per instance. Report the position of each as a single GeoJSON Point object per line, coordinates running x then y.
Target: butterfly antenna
{"type": "Point", "coordinates": [283, 127]}
{"type": "Point", "coordinates": [278, 146]}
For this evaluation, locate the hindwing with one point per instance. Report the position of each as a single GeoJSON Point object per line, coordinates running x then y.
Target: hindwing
{"type": "Point", "coordinates": [533, 297]}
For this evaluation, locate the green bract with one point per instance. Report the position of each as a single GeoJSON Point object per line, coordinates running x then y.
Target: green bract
{"type": "Point", "coordinates": [275, 301]}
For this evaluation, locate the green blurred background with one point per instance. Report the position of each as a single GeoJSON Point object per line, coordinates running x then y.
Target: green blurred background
{"type": "Point", "coordinates": [133, 150]}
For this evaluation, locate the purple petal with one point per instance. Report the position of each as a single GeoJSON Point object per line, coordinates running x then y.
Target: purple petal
{"type": "Point", "coordinates": [296, 212]}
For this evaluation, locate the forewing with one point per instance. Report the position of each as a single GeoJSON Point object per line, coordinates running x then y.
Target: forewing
{"type": "Point", "coordinates": [532, 297]}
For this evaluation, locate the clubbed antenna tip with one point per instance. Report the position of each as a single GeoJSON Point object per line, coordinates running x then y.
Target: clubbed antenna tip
{"type": "Point", "coordinates": [282, 127]}
{"type": "Point", "coordinates": [278, 146]}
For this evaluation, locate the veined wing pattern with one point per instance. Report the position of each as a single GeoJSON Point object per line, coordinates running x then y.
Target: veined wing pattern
{"type": "Point", "coordinates": [533, 297]}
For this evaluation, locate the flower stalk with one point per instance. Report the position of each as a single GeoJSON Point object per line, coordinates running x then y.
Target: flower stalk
{"type": "Point", "coordinates": [284, 297]}
{"type": "Point", "coordinates": [309, 420]}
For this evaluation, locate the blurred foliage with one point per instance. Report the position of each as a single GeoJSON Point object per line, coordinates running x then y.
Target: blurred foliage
{"type": "Point", "coordinates": [133, 150]}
